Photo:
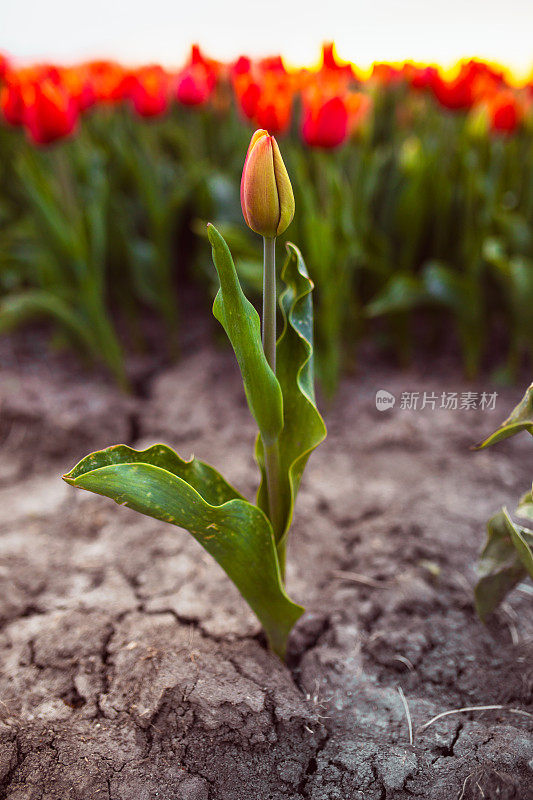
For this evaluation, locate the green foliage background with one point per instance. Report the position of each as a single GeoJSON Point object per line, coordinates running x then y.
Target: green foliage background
{"type": "Point", "coordinates": [421, 211]}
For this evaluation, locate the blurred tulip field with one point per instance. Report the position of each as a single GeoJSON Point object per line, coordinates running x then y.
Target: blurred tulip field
{"type": "Point", "coordinates": [414, 190]}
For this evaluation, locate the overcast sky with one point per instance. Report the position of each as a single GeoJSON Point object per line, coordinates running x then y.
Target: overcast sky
{"type": "Point", "coordinates": [162, 30]}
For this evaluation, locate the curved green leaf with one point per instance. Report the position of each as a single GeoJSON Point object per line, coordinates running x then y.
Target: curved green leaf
{"type": "Point", "coordinates": [520, 419]}
{"type": "Point", "coordinates": [505, 561]}
{"type": "Point", "coordinates": [241, 322]}
{"type": "Point", "coordinates": [192, 495]}
{"type": "Point", "coordinates": [199, 475]}
{"type": "Point", "coordinates": [303, 427]}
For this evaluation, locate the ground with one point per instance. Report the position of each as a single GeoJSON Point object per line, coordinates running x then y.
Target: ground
{"type": "Point", "coordinates": [132, 670]}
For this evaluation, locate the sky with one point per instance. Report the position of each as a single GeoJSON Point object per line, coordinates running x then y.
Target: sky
{"type": "Point", "coordinates": [136, 31]}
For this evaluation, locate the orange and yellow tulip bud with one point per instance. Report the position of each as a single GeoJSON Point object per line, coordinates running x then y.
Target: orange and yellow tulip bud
{"type": "Point", "coordinates": [267, 199]}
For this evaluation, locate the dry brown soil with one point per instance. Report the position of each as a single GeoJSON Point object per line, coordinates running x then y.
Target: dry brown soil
{"type": "Point", "coordinates": [132, 670]}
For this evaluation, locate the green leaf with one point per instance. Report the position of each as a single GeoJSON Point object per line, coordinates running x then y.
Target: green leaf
{"type": "Point", "coordinates": [303, 427]}
{"type": "Point", "coordinates": [520, 419]}
{"type": "Point", "coordinates": [505, 561]}
{"type": "Point", "coordinates": [525, 506]}
{"type": "Point", "coordinates": [241, 322]}
{"type": "Point", "coordinates": [192, 495]}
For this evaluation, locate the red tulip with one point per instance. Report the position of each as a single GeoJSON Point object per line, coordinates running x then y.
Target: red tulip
{"type": "Point", "coordinates": [387, 74]}
{"type": "Point", "coordinates": [273, 111]}
{"type": "Point", "coordinates": [50, 113]}
{"type": "Point", "coordinates": [148, 90]}
{"type": "Point", "coordinates": [331, 62]}
{"type": "Point", "coordinates": [272, 64]}
{"type": "Point", "coordinates": [474, 81]}
{"type": "Point", "coordinates": [421, 77]}
{"type": "Point", "coordinates": [77, 82]}
{"type": "Point", "coordinates": [505, 112]}
{"type": "Point", "coordinates": [264, 92]}
{"type": "Point", "coordinates": [11, 101]}
{"type": "Point", "coordinates": [108, 81]}
{"type": "Point", "coordinates": [242, 66]}
{"type": "Point", "coordinates": [195, 85]}
{"type": "Point", "coordinates": [248, 93]}
{"type": "Point", "coordinates": [325, 121]}
{"type": "Point", "coordinates": [4, 66]}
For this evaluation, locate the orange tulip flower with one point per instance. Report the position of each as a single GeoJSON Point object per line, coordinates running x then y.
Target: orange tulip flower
{"type": "Point", "coordinates": [50, 113]}
{"type": "Point", "coordinates": [148, 90]}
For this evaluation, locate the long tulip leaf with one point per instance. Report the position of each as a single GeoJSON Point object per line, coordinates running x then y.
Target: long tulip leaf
{"type": "Point", "coordinates": [192, 495]}
{"type": "Point", "coordinates": [241, 322]}
{"type": "Point", "coordinates": [520, 419]}
{"type": "Point", "coordinates": [303, 427]}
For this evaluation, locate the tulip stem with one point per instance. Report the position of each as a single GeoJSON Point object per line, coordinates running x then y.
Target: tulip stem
{"type": "Point", "coordinates": [272, 465]}
{"type": "Point", "coordinates": [269, 301]}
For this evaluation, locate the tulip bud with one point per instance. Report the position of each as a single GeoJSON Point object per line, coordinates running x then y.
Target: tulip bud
{"type": "Point", "coordinates": [266, 193]}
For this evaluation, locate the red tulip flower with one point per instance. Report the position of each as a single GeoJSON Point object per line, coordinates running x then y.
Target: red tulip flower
{"type": "Point", "coordinates": [11, 101]}
{"type": "Point", "coordinates": [148, 90]}
{"type": "Point", "coordinates": [264, 92]}
{"type": "Point", "coordinates": [248, 92]}
{"type": "Point", "coordinates": [195, 85]}
{"type": "Point", "coordinates": [50, 113]}
{"type": "Point", "coordinates": [4, 66]}
{"type": "Point", "coordinates": [386, 74]}
{"type": "Point", "coordinates": [108, 81]}
{"type": "Point", "coordinates": [505, 112]}
{"type": "Point", "coordinates": [421, 77]}
{"type": "Point", "coordinates": [325, 121]}
{"type": "Point", "coordinates": [331, 62]}
{"type": "Point", "coordinates": [273, 111]}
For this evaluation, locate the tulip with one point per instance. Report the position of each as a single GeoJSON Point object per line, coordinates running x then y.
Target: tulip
{"type": "Point", "coordinates": [325, 121]}
{"type": "Point", "coordinates": [422, 77]}
{"type": "Point", "coordinates": [273, 111]}
{"type": "Point", "coordinates": [332, 64]}
{"type": "Point", "coordinates": [148, 91]}
{"type": "Point", "coordinates": [195, 85]}
{"type": "Point", "coordinates": [505, 112]}
{"type": "Point", "coordinates": [4, 66]}
{"type": "Point", "coordinates": [50, 112]}
{"type": "Point", "coordinates": [266, 193]}
{"type": "Point", "coordinates": [11, 101]}
{"type": "Point", "coordinates": [248, 93]}
{"type": "Point", "coordinates": [107, 80]}
{"type": "Point", "coordinates": [268, 207]}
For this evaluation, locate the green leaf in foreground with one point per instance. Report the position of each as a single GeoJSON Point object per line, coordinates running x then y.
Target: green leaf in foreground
{"type": "Point", "coordinates": [192, 495]}
{"type": "Point", "coordinates": [303, 427]}
{"type": "Point", "coordinates": [520, 419]}
{"type": "Point", "coordinates": [241, 322]}
{"type": "Point", "coordinates": [506, 560]}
